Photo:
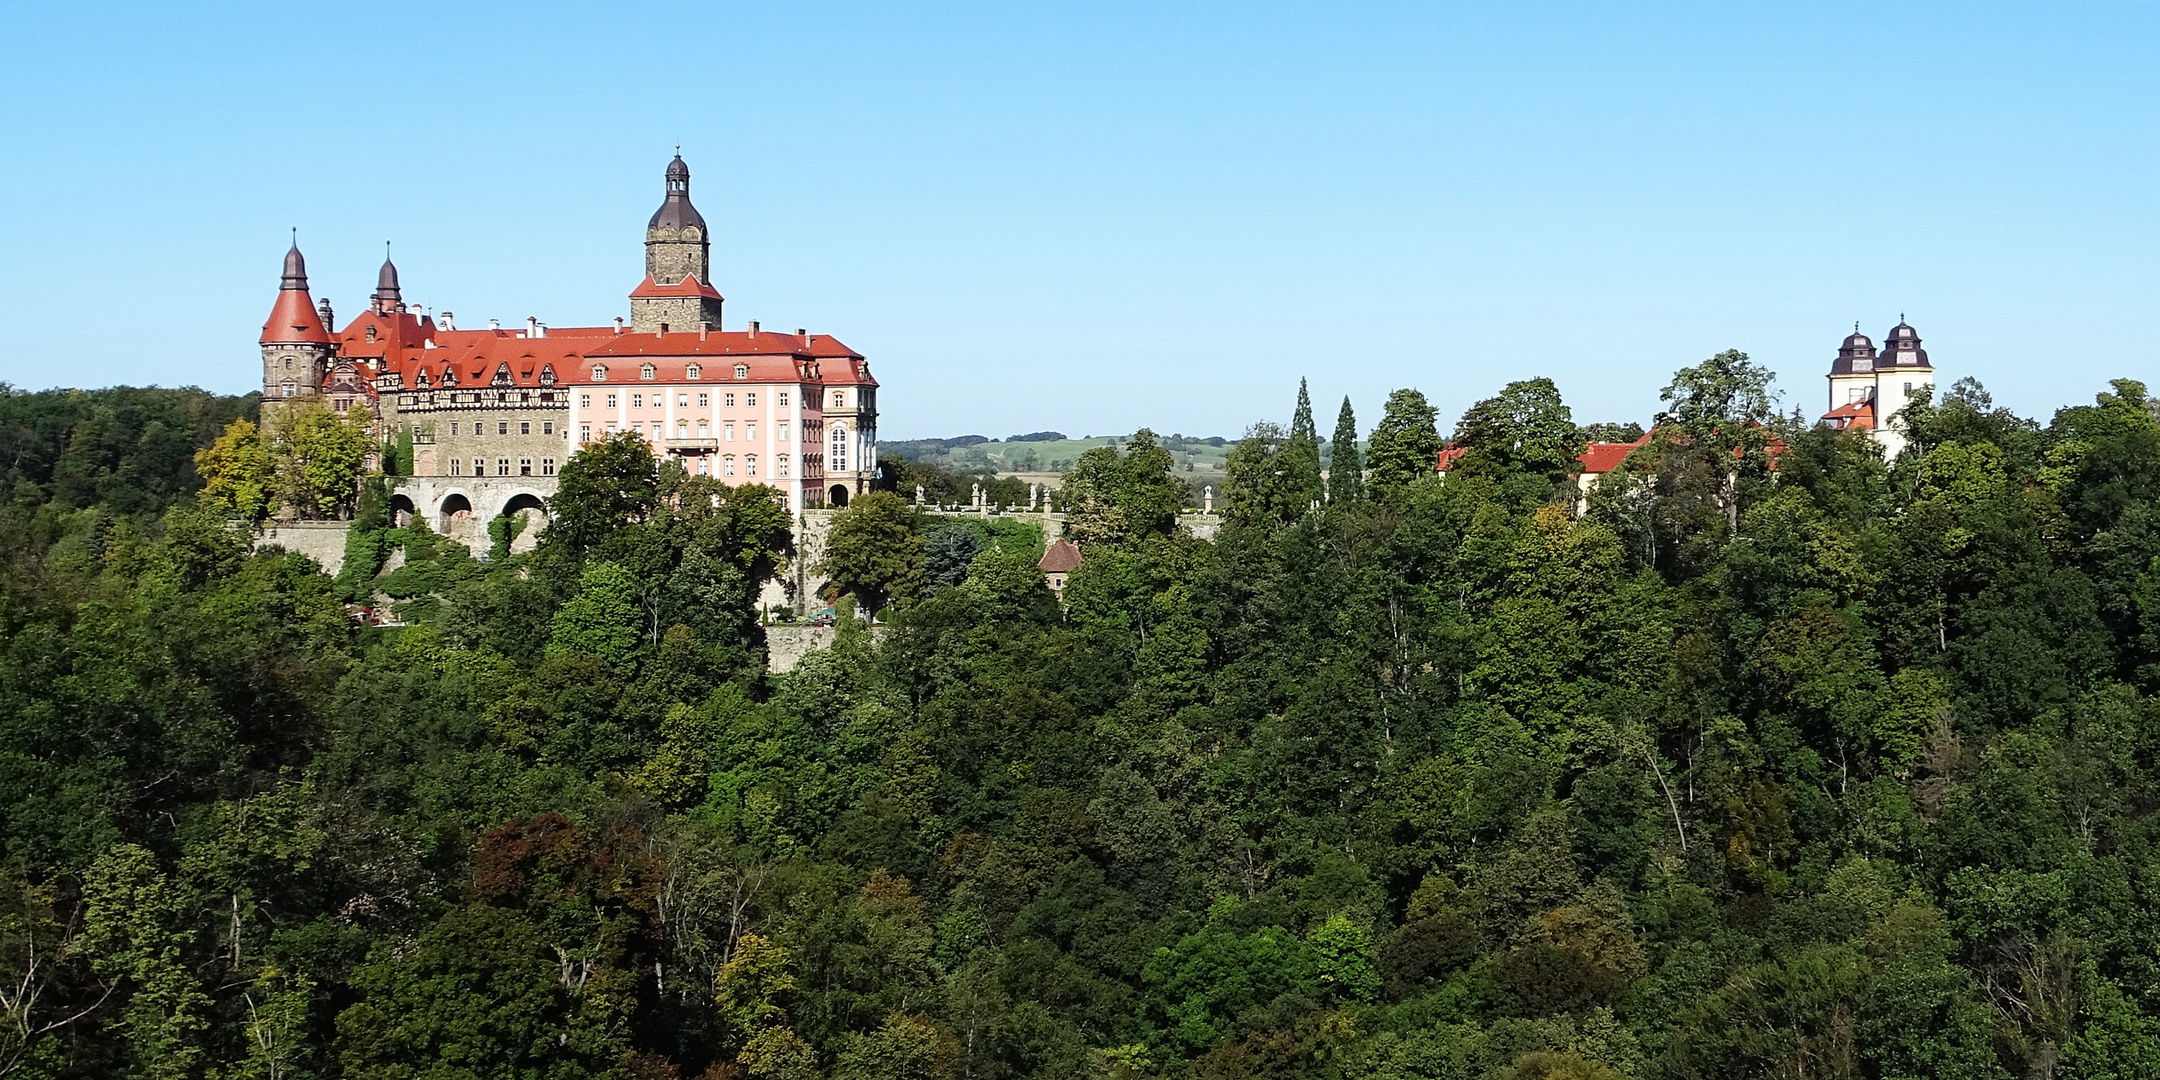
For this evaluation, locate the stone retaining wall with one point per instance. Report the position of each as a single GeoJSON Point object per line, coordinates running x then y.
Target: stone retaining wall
{"type": "Point", "coordinates": [322, 541]}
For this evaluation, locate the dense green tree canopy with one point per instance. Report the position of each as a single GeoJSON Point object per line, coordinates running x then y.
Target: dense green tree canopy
{"type": "Point", "coordinates": [1843, 768]}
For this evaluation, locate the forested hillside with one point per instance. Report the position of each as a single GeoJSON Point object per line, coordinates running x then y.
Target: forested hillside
{"type": "Point", "coordinates": [1767, 759]}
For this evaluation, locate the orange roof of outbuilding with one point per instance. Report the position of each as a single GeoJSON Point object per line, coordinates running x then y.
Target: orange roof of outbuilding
{"type": "Point", "coordinates": [1604, 457]}
{"type": "Point", "coordinates": [1856, 414]}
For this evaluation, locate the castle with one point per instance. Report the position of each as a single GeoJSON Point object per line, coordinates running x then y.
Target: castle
{"type": "Point", "coordinates": [493, 414]}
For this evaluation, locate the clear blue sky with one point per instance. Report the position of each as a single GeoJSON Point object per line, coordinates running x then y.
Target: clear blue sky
{"type": "Point", "coordinates": [1095, 217]}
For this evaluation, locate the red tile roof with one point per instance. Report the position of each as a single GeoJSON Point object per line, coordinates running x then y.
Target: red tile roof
{"type": "Point", "coordinates": [688, 286]}
{"type": "Point", "coordinates": [1857, 414]}
{"type": "Point", "coordinates": [293, 319]}
{"type": "Point", "coordinates": [1062, 558]}
{"type": "Point", "coordinates": [1604, 457]}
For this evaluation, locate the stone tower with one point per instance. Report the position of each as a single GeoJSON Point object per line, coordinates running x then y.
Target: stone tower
{"type": "Point", "coordinates": [677, 292]}
{"type": "Point", "coordinates": [296, 346]}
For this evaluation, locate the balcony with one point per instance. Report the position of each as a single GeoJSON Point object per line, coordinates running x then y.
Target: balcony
{"type": "Point", "coordinates": [694, 446]}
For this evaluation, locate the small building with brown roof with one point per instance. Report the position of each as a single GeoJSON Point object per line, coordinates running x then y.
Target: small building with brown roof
{"type": "Point", "coordinates": [1061, 560]}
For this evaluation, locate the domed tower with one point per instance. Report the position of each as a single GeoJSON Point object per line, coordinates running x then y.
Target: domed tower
{"type": "Point", "coordinates": [1868, 389]}
{"type": "Point", "coordinates": [388, 298]}
{"type": "Point", "coordinates": [296, 347]}
{"type": "Point", "coordinates": [677, 292]}
{"type": "Point", "coordinates": [1852, 374]}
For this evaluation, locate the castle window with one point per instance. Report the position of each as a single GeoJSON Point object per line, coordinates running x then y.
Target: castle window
{"type": "Point", "coordinates": [782, 436]}
{"type": "Point", "coordinates": [742, 371]}
{"type": "Point", "coordinates": [524, 427]}
{"type": "Point", "coordinates": [371, 333]}
{"type": "Point", "coordinates": [703, 431]}
{"type": "Point", "coordinates": [783, 399]}
{"type": "Point", "coordinates": [727, 465]}
{"type": "Point", "coordinates": [502, 466]}
{"type": "Point", "coordinates": [547, 427]}
{"type": "Point", "coordinates": [694, 371]}
{"type": "Point", "coordinates": [750, 431]}
{"type": "Point", "coordinates": [750, 465]}
{"type": "Point", "coordinates": [702, 467]}
{"type": "Point", "coordinates": [547, 466]}
{"type": "Point", "coordinates": [291, 389]}
{"type": "Point", "coordinates": [839, 399]}
{"type": "Point", "coordinates": [837, 453]}
{"type": "Point", "coordinates": [525, 466]}
{"type": "Point", "coordinates": [780, 466]}
{"type": "Point", "coordinates": [502, 427]}
{"type": "Point", "coordinates": [584, 433]}
{"type": "Point", "coordinates": [584, 401]}
{"type": "Point", "coordinates": [750, 400]}
{"type": "Point", "coordinates": [727, 400]}
{"type": "Point", "coordinates": [728, 432]}
{"type": "Point", "coordinates": [782, 497]}
{"type": "Point", "coordinates": [645, 372]}
{"type": "Point", "coordinates": [457, 468]}
{"type": "Point", "coordinates": [704, 401]}
{"type": "Point", "coordinates": [288, 363]}
{"type": "Point", "coordinates": [599, 373]}
{"type": "Point", "coordinates": [611, 401]}
{"type": "Point", "coordinates": [453, 427]}
{"type": "Point", "coordinates": [637, 401]}
{"type": "Point", "coordinates": [682, 429]}
{"type": "Point", "coordinates": [682, 399]}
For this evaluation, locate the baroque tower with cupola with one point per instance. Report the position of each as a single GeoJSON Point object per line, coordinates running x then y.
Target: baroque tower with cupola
{"type": "Point", "coordinates": [296, 345]}
{"type": "Point", "coordinates": [1868, 389]}
{"type": "Point", "coordinates": [677, 292]}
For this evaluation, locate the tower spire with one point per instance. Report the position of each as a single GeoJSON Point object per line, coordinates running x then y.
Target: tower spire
{"type": "Point", "coordinates": [388, 297]}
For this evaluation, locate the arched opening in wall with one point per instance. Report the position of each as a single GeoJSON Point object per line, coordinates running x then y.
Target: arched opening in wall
{"type": "Point", "coordinates": [837, 497]}
{"type": "Point", "coordinates": [401, 510]}
{"type": "Point", "coordinates": [453, 508]}
{"type": "Point", "coordinates": [523, 500]}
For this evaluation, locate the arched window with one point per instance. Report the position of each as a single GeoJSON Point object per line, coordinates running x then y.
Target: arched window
{"type": "Point", "coordinates": [750, 465]}
{"type": "Point", "coordinates": [727, 465]}
{"type": "Point", "coordinates": [837, 456]}
{"type": "Point", "coordinates": [645, 372]}
{"type": "Point", "coordinates": [742, 371]}
{"type": "Point", "coordinates": [694, 371]}
{"type": "Point", "coordinates": [780, 466]}
{"type": "Point", "coordinates": [599, 373]}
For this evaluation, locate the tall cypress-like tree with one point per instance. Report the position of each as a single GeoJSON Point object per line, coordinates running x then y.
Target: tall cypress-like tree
{"type": "Point", "coordinates": [1300, 457]}
{"type": "Point", "coordinates": [1346, 468]}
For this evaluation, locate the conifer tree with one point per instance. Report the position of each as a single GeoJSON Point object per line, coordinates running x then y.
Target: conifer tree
{"type": "Point", "coordinates": [1346, 467]}
{"type": "Point", "coordinates": [1300, 458]}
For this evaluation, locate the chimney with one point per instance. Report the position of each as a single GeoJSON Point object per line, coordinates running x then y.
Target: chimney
{"type": "Point", "coordinates": [328, 322]}
{"type": "Point", "coordinates": [532, 327]}
{"type": "Point", "coordinates": [494, 324]}
{"type": "Point", "coordinates": [618, 324]}
{"type": "Point", "coordinates": [445, 320]}
{"type": "Point", "coordinates": [703, 329]}
{"type": "Point", "coordinates": [753, 328]}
